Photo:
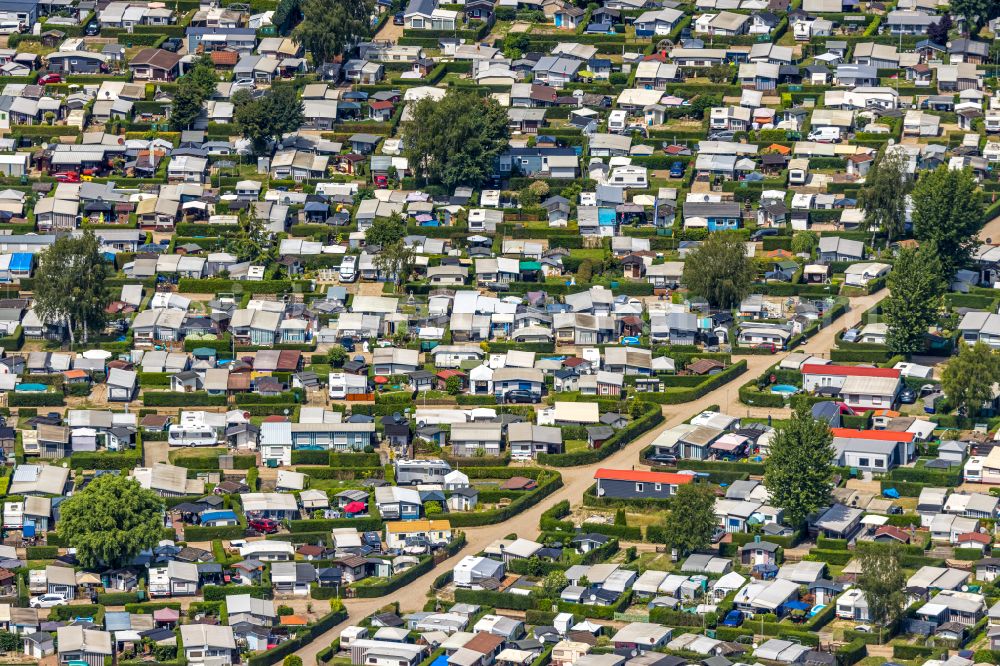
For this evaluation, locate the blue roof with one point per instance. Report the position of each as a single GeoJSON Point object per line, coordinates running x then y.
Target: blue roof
{"type": "Point", "coordinates": [217, 515]}
{"type": "Point", "coordinates": [21, 261]}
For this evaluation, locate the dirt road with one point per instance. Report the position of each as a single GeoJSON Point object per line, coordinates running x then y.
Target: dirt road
{"type": "Point", "coordinates": [577, 479]}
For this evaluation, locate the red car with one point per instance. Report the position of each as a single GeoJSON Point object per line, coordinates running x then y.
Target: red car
{"type": "Point", "coordinates": [67, 177]}
{"type": "Point", "coordinates": [49, 78]}
{"type": "Point", "coordinates": [264, 525]}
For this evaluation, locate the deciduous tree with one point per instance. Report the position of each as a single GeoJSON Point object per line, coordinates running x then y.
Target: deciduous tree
{"type": "Point", "coordinates": [883, 582]}
{"type": "Point", "coordinates": [111, 521]}
{"type": "Point", "coordinates": [804, 242]}
{"type": "Point", "coordinates": [386, 230]}
{"type": "Point", "coordinates": [692, 518]}
{"type": "Point", "coordinates": [69, 284]}
{"type": "Point", "coordinates": [396, 261]}
{"type": "Point", "coordinates": [968, 378]}
{"type": "Point", "coordinates": [948, 210]}
{"type": "Point", "coordinates": [332, 27]}
{"type": "Point", "coordinates": [456, 140]}
{"type": "Point", "coordinates": [719, 270]}
{"type": "Point", "coordinates": [883, 196]}
{"type": "Point", "coordinates": [799, 470]}
{"type": "Point", "coordinates": [269, 117]}
{"type": "Point", "coordinates": [914, 301]}
{"type": "Point", "coordinates": [976, 12]}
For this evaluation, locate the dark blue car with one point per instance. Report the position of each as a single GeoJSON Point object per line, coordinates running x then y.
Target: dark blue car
{"type": "Point", "coordinates": [734, 618]}
{"type": "Point", "coordinates": [677, 170]}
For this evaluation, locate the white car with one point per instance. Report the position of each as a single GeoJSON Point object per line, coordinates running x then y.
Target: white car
{"type": "Point", "coordinates": [48, 601]}
{"type": "Point", "coordinates": [247, 84]}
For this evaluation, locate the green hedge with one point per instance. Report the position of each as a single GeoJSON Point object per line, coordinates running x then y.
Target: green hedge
{"type": "Point", "coordinates": [197, 533]}
{"type": "Point", "coordinates": [678, 395]}
{"type": "Point", "coordinates": [495, 599]}
{"type": "Point", "coordinates": [41, 552]}
{"type": "Point", "coordinates": [172, 399]}
{"type": "Point", "coordinates": [106, 460]}
{"type": "Point", "coordinates": [390, 585]}
{"type": "Point", "coordinates": [651, 418]}
{"type": "Point", "coordinates": [219, 285]}
{"type": "Point", "coordinates": [219, 593]}
{"type": "Point", "coordinates": [117, 598]}
{"type": "Point", "coordinates": [17, 399]}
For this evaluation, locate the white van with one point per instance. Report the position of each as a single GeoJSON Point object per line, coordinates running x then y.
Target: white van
{"type": "Point", "coordinates": [349, 269]}
{"type": "Point", "coordinates": [825, 135]}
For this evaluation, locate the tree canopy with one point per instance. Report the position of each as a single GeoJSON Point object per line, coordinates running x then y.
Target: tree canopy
{"type": "Point", "coordinates": [251, 241]}
{"type": "Point", "coordinates": [948, 210]}
{"type": "Point", "coordinates": [883, 582]}
{"type": "Point", "coordinates": [455, 141]}
{"type": "Point", "coordinates": [386, 230]}
{"type": "Point", "coordinates": [69, 284]}
{"type": "Point", "coordinates": [268, 117]}
{"type": "Point", "coordinates": [976, 12]}
{"type": "Point", "coordinates": [883, 196]}
{"type": "Point", "coordinates": [719, 270]}
{"type": "Point", "coordinates": [968, 378]}
{"type": "Point", "coordinates": [111, 521]}
{"type": "Point", "coordinates": [692, 518]}
{"type": "Point", "coordinates": [915, 298]}
{"type": "Point", "coordinates": [330, 28]}
{"type": "Point", "coordinates": [799, 470]}
{"type": "Point", "coordinates": [197, 84]}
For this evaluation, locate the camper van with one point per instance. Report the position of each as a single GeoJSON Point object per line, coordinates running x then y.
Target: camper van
{"type": "Point", "coordinates": [825, 135]}
{"type": "Point", "coordinates": [414, 472]}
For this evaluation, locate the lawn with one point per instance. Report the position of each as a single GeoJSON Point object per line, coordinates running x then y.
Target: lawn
{"type": "Point", "coordinates": [594, 254]}
{"type": "Point", "coordinates": [574, 445]}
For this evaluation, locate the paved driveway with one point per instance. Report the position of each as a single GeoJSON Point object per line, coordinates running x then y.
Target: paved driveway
{"type": "Point", "coordinates": [577, 479]}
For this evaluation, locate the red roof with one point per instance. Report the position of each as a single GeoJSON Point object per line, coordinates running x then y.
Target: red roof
{"type": "Point", "coordinates": [974, 536]}
{"type": "Point", "coordinates": [380, 105]}
{"type": "Point", "coordinates": [895, 532]}
{"type": "Point", "coordinates": [445, 374]}
{"type": "Point", "coordinates": [880, 435]}
{"type": "Point", "coordinates": [848, 371]}
{"type": "Point", "coordinates": [648, 477]}
{"type": "Point", "coordinates": [274, 418]}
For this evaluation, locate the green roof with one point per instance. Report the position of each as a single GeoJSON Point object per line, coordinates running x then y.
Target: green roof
{"type": "Point", "coordinates": [531, 266]}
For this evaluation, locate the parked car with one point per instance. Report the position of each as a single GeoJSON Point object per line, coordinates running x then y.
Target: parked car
{"type": "Point", "coordinates": [48, 600]}
{"type": "Point", "coordinates": [264, 525]}
{"type": "Point", "coordinates": [734, 618]}
{"type": "Point", "coordinates": [761, 233]}
{"type": "Point", "coordinates": [907, 396]}
{"type": "Point", "coordinates": [518, 396]}
{"type": "Point", "coordinates": [677, 170]}
{"type": "Point", "coordinates": [864, 628]}
{"type": "Point", "coordinates": [397, 18]}
{"type": "Point", "coordinates": [347, 344]}
{"type": "Point", "coordinates": [663, 459]}
{"type": "Point", "coordinates": [173, 44]}
{"type": "Point", "coordinates": [67, 177]}
{"type": "Point", "coordinates": [51, 77]}
{"type": "Point", "coordinates": [92, 29]}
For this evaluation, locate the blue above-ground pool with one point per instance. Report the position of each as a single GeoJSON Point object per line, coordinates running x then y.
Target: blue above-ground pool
{"type": "Point", "coordinates": [787, 389]}
{"type": "Point", "coordinates": [31, 388]}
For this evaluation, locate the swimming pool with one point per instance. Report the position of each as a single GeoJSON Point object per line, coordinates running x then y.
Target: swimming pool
{"type": "Point", "coordinates": [787, 389]}
{"type": "Point", "coordinates": [31, 388]}
{"type": "Point", "coordinates": [606, 216]}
